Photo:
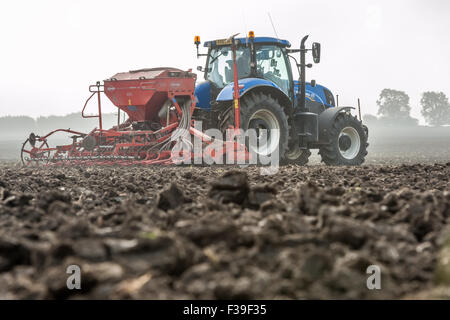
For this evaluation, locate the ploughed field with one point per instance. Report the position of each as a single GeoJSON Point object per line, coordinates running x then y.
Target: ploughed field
{"type": "Point", "coordinates": [225, 232]}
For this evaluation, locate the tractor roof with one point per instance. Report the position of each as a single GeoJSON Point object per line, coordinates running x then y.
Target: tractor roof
{"type": "Point", "coordinates": [266, 40]}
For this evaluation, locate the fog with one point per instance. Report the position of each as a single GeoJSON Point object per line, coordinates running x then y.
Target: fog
{"type": "Point", "coordinates": [52, 50]}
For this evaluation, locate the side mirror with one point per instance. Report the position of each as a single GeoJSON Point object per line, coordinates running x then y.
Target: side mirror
{"type": "Point", "coordinates": [200, 68]}
{"type": "Point", "coordinates": [316, 52]}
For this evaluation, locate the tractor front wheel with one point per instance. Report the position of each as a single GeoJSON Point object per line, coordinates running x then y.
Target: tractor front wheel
{"type": "Point", "coordinates": [348, 142]}
{"type": "Point", "coordinates": [296, 155]}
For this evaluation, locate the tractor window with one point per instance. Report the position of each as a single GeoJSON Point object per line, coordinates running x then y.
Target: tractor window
{"type": "Point", "coordinates": [220, 65]}
{"type": "Point", "coordinates": [271, 65]}
{"type": "Point", "coordinates": [329, 96]}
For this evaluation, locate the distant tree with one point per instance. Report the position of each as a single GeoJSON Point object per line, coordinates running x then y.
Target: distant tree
{"type": "Point", "coordinates": [435, 108]}
{"type": "Point", "coordinates": [393, 104]}
{"type": "Point", "coordinates": [19, 127]}
{"type": "Point", "coordinates": [394, 108]}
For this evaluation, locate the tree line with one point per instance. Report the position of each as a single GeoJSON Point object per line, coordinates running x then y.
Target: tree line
{"type": "Point", "coordinates": [394, 109]}
{"type": "Point", "coordinates": [19, 127]}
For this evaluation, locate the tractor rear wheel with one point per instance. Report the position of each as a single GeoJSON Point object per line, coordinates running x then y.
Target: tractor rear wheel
{"type": "Point", "coordinates": [348, 142]}
{"type": "Point", "coordinates": [261, 111]}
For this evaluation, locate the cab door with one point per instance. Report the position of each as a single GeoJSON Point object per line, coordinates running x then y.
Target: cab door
{"type": "Point", "coordinates": [272, 64]}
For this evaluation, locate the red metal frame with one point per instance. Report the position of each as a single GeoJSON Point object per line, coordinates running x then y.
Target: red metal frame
{"type": "Point", "coordinates": [97, 91]}
{"type": "Point", "coordinates": [141, 99]}
{"type": "Point", "coordinates": [237, 102]}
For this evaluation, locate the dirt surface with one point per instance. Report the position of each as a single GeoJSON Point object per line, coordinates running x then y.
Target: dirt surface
{"type": "Point", "coordinates": [221, 232]}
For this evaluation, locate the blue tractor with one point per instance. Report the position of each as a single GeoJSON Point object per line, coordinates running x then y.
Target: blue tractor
{"type": "Point", "coordinates": [304, 114]}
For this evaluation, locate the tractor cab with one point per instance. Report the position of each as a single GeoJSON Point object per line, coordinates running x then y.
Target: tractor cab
{"type": "Point", "coordinates": [264, 58]}
{"type": "Point", "coordinates": [259, 58]}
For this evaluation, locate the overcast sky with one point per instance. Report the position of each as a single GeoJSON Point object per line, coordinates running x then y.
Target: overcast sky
{"type": "Point", "coordinates": [50, 51]}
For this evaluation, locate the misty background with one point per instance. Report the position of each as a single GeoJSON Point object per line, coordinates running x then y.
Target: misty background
{"type": "Point", "coordinates": [51, 51]}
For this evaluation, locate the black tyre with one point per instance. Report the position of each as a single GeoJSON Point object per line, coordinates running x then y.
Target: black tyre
{"type": "Point", "coordinates": [261, 111]}
{"type": "Point", "coordinates": [295, 155]}
{"type": "Point", "coordinates": [348, 142]}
